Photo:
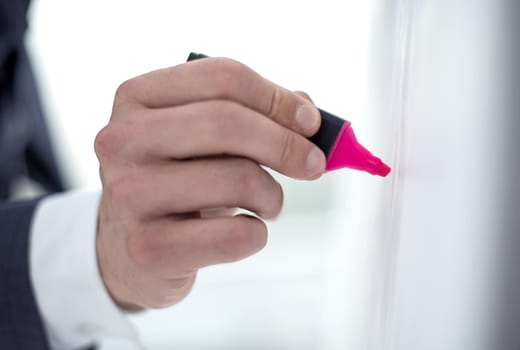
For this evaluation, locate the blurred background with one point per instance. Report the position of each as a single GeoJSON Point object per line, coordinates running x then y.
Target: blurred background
{"type": "Point", "coordinates": [423, 259]}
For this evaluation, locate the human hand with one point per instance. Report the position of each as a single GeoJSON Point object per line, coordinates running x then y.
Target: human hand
{"type": "Point", "coordinates": [184, 140]}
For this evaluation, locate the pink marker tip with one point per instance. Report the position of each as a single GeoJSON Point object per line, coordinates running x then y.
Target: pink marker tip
{"type": "Point", "coordinates": [347, 152]}
{"type": "Point", "coordinates": [383, 170]}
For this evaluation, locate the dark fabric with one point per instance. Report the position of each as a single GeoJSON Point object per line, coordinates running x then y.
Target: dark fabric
{"type": "Point", "coordinates": [21, 327]}
{"type": "Point", "coordinates": [25, 149]}
{"type": "Point", "coordinates": [13, 22]}
{"type": "Point", "coordinates": [20, 323]}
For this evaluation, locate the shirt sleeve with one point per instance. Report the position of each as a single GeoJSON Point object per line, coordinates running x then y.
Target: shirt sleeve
{"type": "Point", "coordinates": [75, 306]}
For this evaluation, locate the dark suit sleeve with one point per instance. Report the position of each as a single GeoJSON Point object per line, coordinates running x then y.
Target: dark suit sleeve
{"type": "Point", "coordinates": [21, 326]}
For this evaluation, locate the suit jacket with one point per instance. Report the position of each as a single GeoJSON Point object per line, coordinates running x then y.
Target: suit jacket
{"type": "Point", "coordinates": [25, 150]}
{"type": "Point", "coordinates": [20, 323]}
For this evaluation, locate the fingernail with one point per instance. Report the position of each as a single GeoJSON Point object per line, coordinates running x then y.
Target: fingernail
{"type": "Point", "coordinates": [315, 162]}
{"type": "Point", "coordinates": [307, 118]}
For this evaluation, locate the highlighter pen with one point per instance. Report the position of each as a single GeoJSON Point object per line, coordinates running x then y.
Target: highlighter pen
{"type": "Point", "coordinates": [336, 139]}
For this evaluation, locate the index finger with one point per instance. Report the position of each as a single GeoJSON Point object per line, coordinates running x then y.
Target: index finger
{"type": "Point", "coordinates": [223, 79]}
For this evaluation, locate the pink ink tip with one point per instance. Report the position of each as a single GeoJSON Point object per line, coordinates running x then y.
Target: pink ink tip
{"type": "Point", "coordinates": [348, 153]}
{"type": "Point", "coordinates": [383, 170]}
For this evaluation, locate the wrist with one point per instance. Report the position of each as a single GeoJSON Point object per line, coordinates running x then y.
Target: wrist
{"type": "Point", "coordinates": [109, 284]}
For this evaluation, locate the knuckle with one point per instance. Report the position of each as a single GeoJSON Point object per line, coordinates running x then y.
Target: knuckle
{"type": "Point", "coordinates": [226, 74]}
{"type": "Point", "coordinates": [261, 234]}
{"type": "Point", "coordinates": [275, 102]}
{"type": "Point", "coordinates": [255, 185]}
{"type": "Point", "coordinates": [108, 141]}
{"type": "Point", "coordinates": [288, 148]}
{"type": "Point", "coordinates": [103, 143]}
{"type": "Point", "coordinates": [248, 235]}
{"type": "Point", "coordinates": [238, 244]}
{"type": "Point", "coordinates": [247, 180]}
{"type": "Point", "coordinates": [124, 89]}
{"type": "Point", "coordinates": [276, 202]}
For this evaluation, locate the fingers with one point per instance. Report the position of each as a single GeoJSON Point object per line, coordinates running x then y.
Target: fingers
{"type": "Point", "coordinates": [304, 95]}
{"type": "Point", "coordinates": [183, 246]}
{"type": "Point", "coordinates": [222, 79]}
{"type": "Point", "coordinates": [183, 145]}
{"type": "Point", "coordinates": [197, 185]}
{"type": "Point", "coordinates": [220, 127]}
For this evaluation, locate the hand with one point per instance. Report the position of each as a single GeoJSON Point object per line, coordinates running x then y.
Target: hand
{"type": "Point", "coordinates": [184, 140]}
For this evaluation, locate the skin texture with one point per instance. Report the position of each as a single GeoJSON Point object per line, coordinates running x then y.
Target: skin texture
{"type": "Point", "coordinates": [184, 146]}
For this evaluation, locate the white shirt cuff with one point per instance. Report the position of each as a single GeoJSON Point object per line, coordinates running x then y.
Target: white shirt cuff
{"type": "Point", "coordinates": [75, 306]}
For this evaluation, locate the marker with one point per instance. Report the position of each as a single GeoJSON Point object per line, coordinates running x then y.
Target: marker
{"type": "Point", "coordinates": [336, 139]}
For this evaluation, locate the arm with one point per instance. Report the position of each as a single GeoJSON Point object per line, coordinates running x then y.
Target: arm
{"type": "Point", "coordinates": [75, 306]}
{"type": "Point", "coordinates": [180, 141]}
{"type": "Point", "coordinates": [44, 306]}
{"type": "Point", "coordinates": [20, 322]}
